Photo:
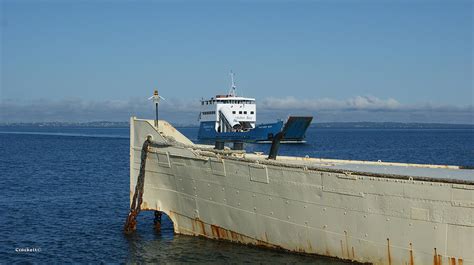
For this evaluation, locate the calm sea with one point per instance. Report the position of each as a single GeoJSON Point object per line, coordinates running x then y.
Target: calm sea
{"type": "Point", "coordinates": [65, 192]}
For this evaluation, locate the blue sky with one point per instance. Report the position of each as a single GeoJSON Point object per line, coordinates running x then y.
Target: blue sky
{"type": "Point", "coordinates": [309, 57]}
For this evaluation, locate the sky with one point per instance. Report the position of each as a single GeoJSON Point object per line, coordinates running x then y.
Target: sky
{"type": "Point", "coordinates": [399, 61]}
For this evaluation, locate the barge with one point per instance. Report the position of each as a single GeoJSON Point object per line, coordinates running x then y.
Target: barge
{"type": "Point", "coordinates": [368, 212]}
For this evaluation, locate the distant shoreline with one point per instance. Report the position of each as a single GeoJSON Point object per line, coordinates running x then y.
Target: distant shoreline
{"type": "Point", "coordinates": [390, 125]}
{"type": "Point", "coordinates": [323, 125]}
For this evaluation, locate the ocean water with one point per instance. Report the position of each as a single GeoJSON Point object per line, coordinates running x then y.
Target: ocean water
{"type": "Point", "coordinates": [65, 192]}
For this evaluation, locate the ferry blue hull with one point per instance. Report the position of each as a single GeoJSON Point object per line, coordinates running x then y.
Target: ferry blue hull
{"type": "Point", "coordinates": [294, 132]}
{"type": "Point", "coordinates": [261, 132]}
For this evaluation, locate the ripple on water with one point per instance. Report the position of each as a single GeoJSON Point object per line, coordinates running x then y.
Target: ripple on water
{"type": "Point", "coordinates": [69, 195]}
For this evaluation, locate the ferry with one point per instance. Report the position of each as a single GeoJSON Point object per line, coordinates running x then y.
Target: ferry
{"type": "Point", "coordinates": [233, 118]}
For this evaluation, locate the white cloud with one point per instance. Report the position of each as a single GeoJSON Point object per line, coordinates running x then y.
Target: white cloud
{"type": "Point", "coordinates": [356, 103]}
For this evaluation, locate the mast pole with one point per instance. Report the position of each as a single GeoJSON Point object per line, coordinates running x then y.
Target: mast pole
{"type": "Point", "coordinates": [156, 120]}
{"type": "Point", "coordinates": [156, 99]}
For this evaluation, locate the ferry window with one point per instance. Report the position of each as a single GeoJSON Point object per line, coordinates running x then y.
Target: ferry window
{"type": "Point", "coordinates": [233, 112]}
{"type": "Point", "coordinates": [202, 102]}
{"type": "Point", "coordinates": [251, 112]}
{"type": "Point", "coordinates": [207, 103]}
{"type": "Point", "coordinates": [245, 112]}
{"type": "Point", "coordinates": [240, 112]}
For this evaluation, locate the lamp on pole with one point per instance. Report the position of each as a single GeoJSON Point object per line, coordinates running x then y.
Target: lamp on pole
{"type": "Point", "coordinates": [156, 100]}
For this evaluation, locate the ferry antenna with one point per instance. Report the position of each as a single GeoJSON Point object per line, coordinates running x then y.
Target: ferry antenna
{"type": "Point", "coordinates": [232, 92]}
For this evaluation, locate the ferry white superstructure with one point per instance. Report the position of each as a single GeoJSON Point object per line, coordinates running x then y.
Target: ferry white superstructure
{"type": "Point", "coordinates": [229, 113]}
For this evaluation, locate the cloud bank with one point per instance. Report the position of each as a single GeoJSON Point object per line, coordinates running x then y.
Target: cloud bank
{"type": "Point", "coordinates": [359, 108]}
{"type": "Point", "coordinates": [356, 103]}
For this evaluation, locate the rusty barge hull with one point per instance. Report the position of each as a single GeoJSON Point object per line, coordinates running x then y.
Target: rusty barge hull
{"type": "Point", "coordinates": [362, 211]}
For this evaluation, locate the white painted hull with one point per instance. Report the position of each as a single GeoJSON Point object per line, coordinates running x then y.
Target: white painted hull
{"type": "Point", "coordinates": [365, 218]}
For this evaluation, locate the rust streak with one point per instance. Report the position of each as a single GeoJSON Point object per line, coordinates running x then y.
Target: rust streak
{"type": "Point", "coordinates": [342, 249]}
{"type": "Point", "coordinates": [412, 262]}
{"type": "Point", "coordinates": [199, 223]}
{"type": "Point", "coordinates": [235, 236]}
{"type": "Point", "coordinates": [388, 252]}
{"type": "Point", "coordinates": [222, 233]}
{"type": "Point", "coordinates": [440, 259]}
{"type": "Point", "coordinates": [214, 231]}
{"type": "Point", "coordinates": [453, 260]}
{"type": "Point", "coordinates": [264, 244]}
{"type": "Point", "coordinates": [435, 257]}
{"type": "Point", "coordinates": [227, 234]}
{"type": "Point", "coordinates": [460, 261]}
{"type": "Point", "coordinates": [203, 227]}
{"type": "Point", "coordinates": [347, 244]}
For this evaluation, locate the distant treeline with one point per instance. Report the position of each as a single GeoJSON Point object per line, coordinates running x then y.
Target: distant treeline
{"type": "Point", "coordinates": [389, 125]}
{"type": "Point", "coordinates": [107, 124]}
{"type": "Point", "coordinates": [333, 125]}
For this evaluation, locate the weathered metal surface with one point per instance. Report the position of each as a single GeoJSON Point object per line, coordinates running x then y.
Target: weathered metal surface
{"type": "Point", "coordinates": [307, 206]}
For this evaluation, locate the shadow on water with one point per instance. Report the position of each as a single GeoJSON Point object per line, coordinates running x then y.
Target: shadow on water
{"type": "Point", "coordinates": [147, 245]}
